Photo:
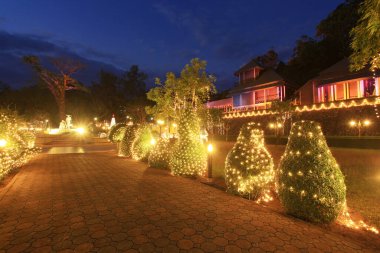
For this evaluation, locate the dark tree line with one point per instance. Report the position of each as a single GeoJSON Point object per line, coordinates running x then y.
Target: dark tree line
{"type": "Point", "coordinates": [109, 95]}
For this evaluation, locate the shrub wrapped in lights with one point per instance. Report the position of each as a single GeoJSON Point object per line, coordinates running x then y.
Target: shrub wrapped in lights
{"type": "Point", "coordinates": [159, 157]}
{"type": "Point", "coordinates": [142, 144]}
{"type": "Point", "coordinates": [125, 147]}
{"type": "Point", "coordinates": [249, 166]}
{"type": "Point", "coordinates": [189, 156]}
{"type": "Point", "coordinates": [16, 146]}
{"type": "Point", "coordinates": [116, 133]}
{"type": "Point", "coordinates": [310, 183]}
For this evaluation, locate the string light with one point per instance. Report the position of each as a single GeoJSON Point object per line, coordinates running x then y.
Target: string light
{"type": "Point", "coordinates": [305, 108]}
{"type": "Point", "coordinates": [142, 145]}
{"type": "Point", "coordinates": [249, 166]}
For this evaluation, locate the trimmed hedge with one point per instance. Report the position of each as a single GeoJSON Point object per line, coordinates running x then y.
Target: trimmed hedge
{"type": "Point", "coordinates": [159, 157]}
{"type": "Point", "coordinates": [249, 166]}
{"type": "Point", "coordinates": [125, 147]}
{"type": "Point", "coordinates": [116, 133]}
{"type": "Point", "coordinates": [142, 145]}
{"type": "Point", "coordinates": [310, 183]}
{"type": "Point", "coordinates": [189, 154]}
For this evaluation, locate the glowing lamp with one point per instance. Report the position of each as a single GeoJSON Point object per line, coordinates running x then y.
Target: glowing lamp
{"type": "Point", "coordinates": [210, 148]}
{"type": "Point", "coordinates": [153, 141]}
{"type": "Point", "coordinates": [174, 125]}
{"type": "Point", "coordinates": [352, 123]}
{"type": "Point", "coordinates": [3, 143]}
{"type": "Point", "coordinates": [271, 125]}
{"type": "Point", "coordinates": [279, 125]}
{"type": "Point", "coordinates": [95, 118]}
{"type": "Point", "coordinates": [54, 131]}
{"type": "Point", "coordinates": [367, 122]}
{"type": "Point", "coordinates": [80, 130]}
{"type": "Point", "coordinates": [160, 122]}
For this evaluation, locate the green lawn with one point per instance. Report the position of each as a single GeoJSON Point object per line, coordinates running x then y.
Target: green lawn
{"type": "Point", "coordinates": [360, 166]}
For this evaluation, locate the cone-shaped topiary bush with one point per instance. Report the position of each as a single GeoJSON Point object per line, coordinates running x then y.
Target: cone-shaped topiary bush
{"type": "Point", "coordinates": [310, 183]}
{"type": "Point", "coordinates": [159, 157]}
{"type": "Point", "coordinates": [189, 155]}
{"type": "Point", "coordinates": [116, 133]}
{"type": "Point", "coordinates": [142, 144]}
{"type": "Point", "coordinates": [249, 166]}
{"type": "Point", "coordinates": [125, 147]}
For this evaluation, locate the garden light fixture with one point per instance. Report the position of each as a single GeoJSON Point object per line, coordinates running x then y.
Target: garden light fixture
{"type": "Point", "coordinates": [3, 143]}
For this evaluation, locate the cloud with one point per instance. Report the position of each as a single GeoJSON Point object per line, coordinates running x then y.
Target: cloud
{"type": "Point", "coordinates": [14, 72]}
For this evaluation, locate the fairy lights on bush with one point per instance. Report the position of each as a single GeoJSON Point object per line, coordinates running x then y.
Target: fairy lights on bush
{"type": "Point", "coordinates": [116, 133]}
{"type": "Point", "coordinates": [125, 147]}
{"type": "Point", "coordinates": [189, 157]}
{"type": "Point", "coordinates": [16, 146]}
{"type": "Point", "coordinates": [249, 166]}
{"type": "Point", "coordinates": [142, 145]}
{"type": "Point", "coordinates": [160, 155]}
{"type": "Point", "coordinates": [310, 183]}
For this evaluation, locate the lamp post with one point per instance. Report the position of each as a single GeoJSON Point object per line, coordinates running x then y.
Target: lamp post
{"type": "Point", "coordinates": [275, 126]}
{"type": "Point", "coordinates": [359, 124]}
{"type": "Point", "coordinates": [210, 149]}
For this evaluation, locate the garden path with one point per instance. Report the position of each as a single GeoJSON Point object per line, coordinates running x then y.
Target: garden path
{"type": "Point", "coordinates": [99, 202]}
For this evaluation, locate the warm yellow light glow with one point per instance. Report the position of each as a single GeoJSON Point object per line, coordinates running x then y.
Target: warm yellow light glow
{"type": "Point", "coordinates": [80, 130]}
{"type": "Point", "coordinates": [352, 123]}
{"type": "Point", "coordinates": [160, 122]}
{"type": "Point", "coordinates": [367, 122]}
{"type": "Point", "coordinates": [210, 148]}
{"type": "Point", "coordinates": [153, 141]}
{"type": "Point", "coordinates": [3, 143]}
{"type": "Point", "coordinates": [279, 125]}
{"type": "Point", "coordinates": [95, 118]}
{"type": "Point", "coordinates": [54, 131]}
{"type": "Point", "coordinates": [174, 125]}
{"type": "Point", "coordinates": [271, 125]}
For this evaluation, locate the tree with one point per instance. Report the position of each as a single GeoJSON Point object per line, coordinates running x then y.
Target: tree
{"type": "Point", "coordinates": [107, 97]}
{"type": "Point", "coordinates": [283, 111]}
{"type": "Point", "coordinates": [191, 89]}
{"type": "Point", "coordinates": [133, 83]}
{"type": "Point", "coordinates": [58, 83]}
{"type": "Point", "coordinates": [249, 166]}
{"type": "Point", "coordinates": [269, 59]}
{"type": "Point", "coordinates": [366, 37]}
{"type": "Point", "coordinates": [310, 183]}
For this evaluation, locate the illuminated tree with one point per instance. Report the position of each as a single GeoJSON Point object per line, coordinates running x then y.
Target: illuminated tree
{"type": "Point", "coordinates": [366, 37]}
{"type": "Point", "coordinates": [125, 147]}
{"type": "Point", "coordinates": [191, 89]}
{"type": "Point", "coordinates": [116, 133]}
{"type": "Point", "coordinates": [310, 183]}
{"type": "Point", "coordinates": [58, 83]}
{"type": "Point", "coordinates": [159, 157]}
{"type": "Point", "coordinates": [142, 144]}
{"type": "Point", "coordinates": [249, 166]}
{"type": "Point", "coordinates": [189, 156]}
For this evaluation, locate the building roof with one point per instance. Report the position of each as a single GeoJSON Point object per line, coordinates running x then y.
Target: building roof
{"type": "Point", "coordinates": [340, 72]}
{"type": "Point", "coordinates": [267, 78]}
{"type": "Point", "coordinates": [250, 65]}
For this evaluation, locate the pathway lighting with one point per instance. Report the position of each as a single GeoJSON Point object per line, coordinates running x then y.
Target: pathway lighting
{"type": "Point", "coordinates": [81, 130]}
{"type": "Point", "coordinates": [153, 141]}
{"type": "Point", "coordinates": [359, 124]}
{"type": "Point", "coordinates": [3, 143]}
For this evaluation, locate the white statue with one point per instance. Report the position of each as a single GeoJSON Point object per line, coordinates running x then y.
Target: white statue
{"type": "Point", "coordinates": [68, 122]}
{"type": "Point", "coordinates": [113, 121]}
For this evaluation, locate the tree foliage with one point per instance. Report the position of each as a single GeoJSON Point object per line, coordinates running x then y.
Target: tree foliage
{"type": "Point", "coordinates": [366, 37]}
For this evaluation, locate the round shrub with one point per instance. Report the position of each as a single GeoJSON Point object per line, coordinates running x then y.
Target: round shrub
{"type": "Point", "coordinates": [189, 156]}
{"type": "Point", "coordinates": [116, 133]}
{"type": "Point", "coordinates": [125, 147]}
{"type": "Point", "coordinates": [142, 144]}
{"type": "Point", "coordinates": [249, 166]}
{"type": "Point", "coordinates": [310, 183]}
{"type": "Point", "coordinates": [160, 154]}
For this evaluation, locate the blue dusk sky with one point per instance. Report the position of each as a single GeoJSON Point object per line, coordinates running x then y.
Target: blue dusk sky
{"type": "Point", "coordinates": [159, 36]}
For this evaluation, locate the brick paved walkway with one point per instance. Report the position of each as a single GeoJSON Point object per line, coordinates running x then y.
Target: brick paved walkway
{"type": "Point", "coordinates": [102, 203]}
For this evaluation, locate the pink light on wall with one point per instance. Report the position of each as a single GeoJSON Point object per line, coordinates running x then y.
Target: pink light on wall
{"type": "Point", "coordinates": [361, 84]}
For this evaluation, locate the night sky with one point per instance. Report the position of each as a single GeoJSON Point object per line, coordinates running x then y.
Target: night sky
{"type": "Point", "coordinates": [159, 36]}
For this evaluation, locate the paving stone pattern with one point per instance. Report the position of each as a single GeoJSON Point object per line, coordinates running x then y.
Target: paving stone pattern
{"type": "Point", "coordinates": [99, 202]}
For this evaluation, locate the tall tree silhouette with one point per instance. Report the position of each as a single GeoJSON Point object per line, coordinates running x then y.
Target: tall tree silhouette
{"type": "Point", "coordinates": [57, 82]}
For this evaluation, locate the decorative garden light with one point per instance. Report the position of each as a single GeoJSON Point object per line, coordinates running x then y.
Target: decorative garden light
{"type": "Point", "coordinates": [95, 119]}
{"type": "Point", "coordinates": [80, 130]}
{"type": "Point", "coordinates": [3, 143]}
{"type": "Point", "coordinates": [359, 124]}
{"type": "Point", "coordinates": [153, 141]}
{"type": "Point", "coordinates": [54, 131]}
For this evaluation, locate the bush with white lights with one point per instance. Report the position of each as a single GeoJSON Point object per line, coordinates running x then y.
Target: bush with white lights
{"type": "Point", "coordinates": [116, 133]}
{"type": "Point", "coordinates": [142, 144]}
{"type": "Point", "coordinates": [249, 166]}
{"type": "Point", "coordinates": [189, 156]}
{"type": "Point", "coordinates": [125, 147]}
{"type": "Point", "coordinates": [310, 183]}
{"type": "Point", "coordinates": [159, 157]}
{"type": "Point", "coordinates": [16, 146]}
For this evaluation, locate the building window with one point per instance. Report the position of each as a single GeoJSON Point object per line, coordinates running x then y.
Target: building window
{"type": "Point", "coordinates": [369, 87]}
{"type": "Point", "coordinates": [247, 98]}
{"type": "Point", "coordinates": [259, 96]}
{"type": "Point", "coordinates": [353, 89]}
{"type": "Point", "coordinates": [272, 94]}
{"type": "Point", "coordinates": [236, 100]}
{"type": "Point", "coordinates": [339, 91]}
